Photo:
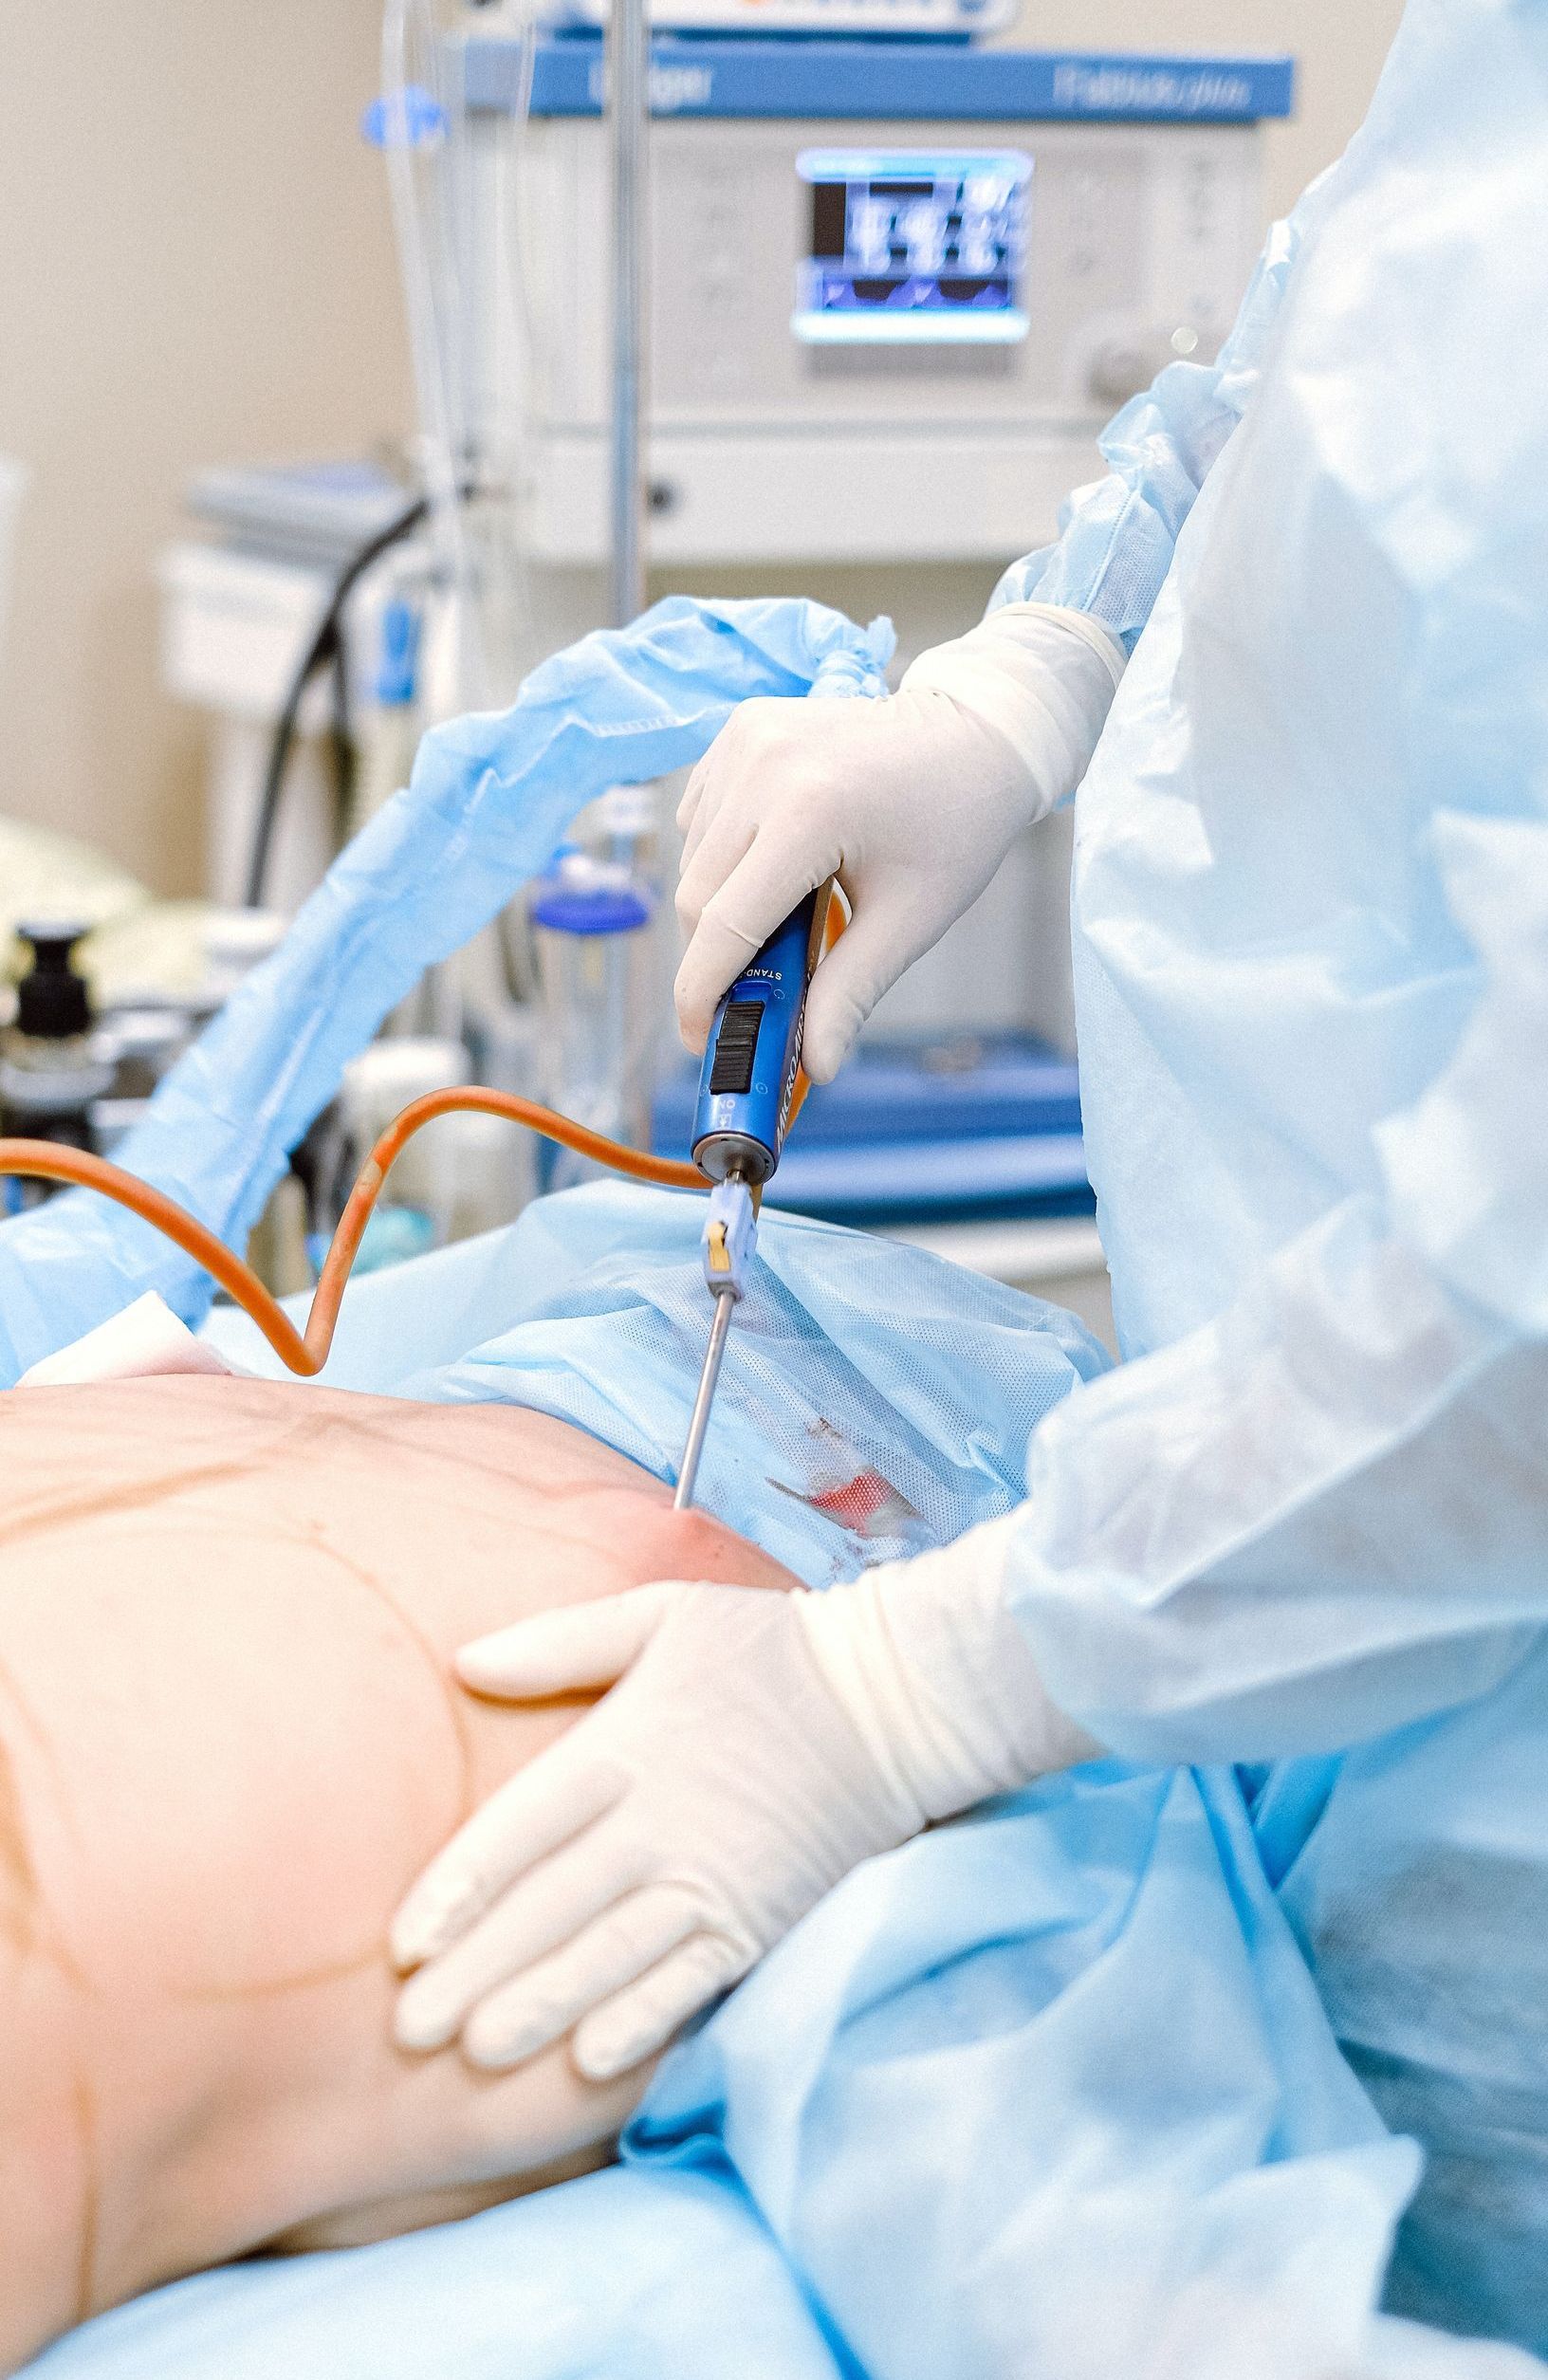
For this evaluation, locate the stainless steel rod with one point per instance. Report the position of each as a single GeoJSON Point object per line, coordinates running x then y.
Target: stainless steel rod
{"type": "Point", "coordinates": [629, 95]}
{"type": "Point", "coordinates": [706, 1397]}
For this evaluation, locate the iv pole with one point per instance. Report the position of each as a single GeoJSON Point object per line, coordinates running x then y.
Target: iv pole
{"type": "Point", "coordinates": [629, 89]}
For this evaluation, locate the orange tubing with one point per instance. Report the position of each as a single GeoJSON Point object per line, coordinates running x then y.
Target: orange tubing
{"type": "Point", "coordinates": [306, 1352]}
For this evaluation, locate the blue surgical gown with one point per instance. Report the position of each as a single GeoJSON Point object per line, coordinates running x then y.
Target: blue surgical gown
{"type": "Point", "coordinates": [1305, 1526]}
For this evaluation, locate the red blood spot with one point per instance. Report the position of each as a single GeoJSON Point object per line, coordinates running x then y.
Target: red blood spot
{"type": "Point", "coordinates": [858, 1500]}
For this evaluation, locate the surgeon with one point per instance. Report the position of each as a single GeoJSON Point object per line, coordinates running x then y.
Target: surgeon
{"type": "Point", "coordinates": [1312, 927]}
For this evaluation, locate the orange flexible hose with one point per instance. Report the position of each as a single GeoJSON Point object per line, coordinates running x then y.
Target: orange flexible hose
{"type": "Point", "coordinates": [306, 1352]}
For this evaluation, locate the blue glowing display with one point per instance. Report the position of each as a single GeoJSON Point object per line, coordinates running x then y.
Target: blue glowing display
{"type": "Point", "coordinates": [913, 245]}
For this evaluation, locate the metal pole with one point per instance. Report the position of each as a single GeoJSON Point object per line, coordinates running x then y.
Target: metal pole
{"type": "Point", "coordinates": [629, 59]}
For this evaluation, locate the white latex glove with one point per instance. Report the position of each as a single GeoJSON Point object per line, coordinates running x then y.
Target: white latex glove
{"type": "Point", "coordinates": [912, 802]}
{"type": "Point", "coordinates": [755, 1747]}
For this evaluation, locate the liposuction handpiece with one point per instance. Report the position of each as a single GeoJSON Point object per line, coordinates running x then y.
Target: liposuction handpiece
{"type": "Point", "coordinates": [748, 1080]}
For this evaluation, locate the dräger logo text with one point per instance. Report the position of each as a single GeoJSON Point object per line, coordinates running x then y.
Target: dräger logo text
{"type": "Point", "coordinates": [673, 88]}
{"type": "Point", "coordinates": [1119, 90]}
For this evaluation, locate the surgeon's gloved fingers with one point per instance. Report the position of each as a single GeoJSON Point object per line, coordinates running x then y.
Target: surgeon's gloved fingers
{"type": "Point", "coordinates": [530, 1815]}
{"type": "Point", "coordinates": [692, 842]}
{"type": "Point", "coordinates": [698, 812]}
{"type": "Point", "coordinates": [865, 962]}
{"type": "Point", "coordinates": [707, 861]}
{"type": "Point", "coordinates": [715, 958]}
{"type": "Point", "coordinates": [780, 867]}
{"type": "Point", "coordinates": [625, 1942]}
{"type": "Point", "coordinates": [562, 1650]}
{"type": "Point", "coordinates": [719, 833]}
{"type": "Point", "coordinates": [643, 2017]}
{"type": "Point", "coordinates": [725, 758]}
{"type": "Point", "coordinates": [693, 795]}
{"type": "Point", "coordinates": [538, 1913]}
{"type": "Point", "coordinates": [757, 725]}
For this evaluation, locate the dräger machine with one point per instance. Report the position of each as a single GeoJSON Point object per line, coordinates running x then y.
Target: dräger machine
{"type": "Point", "coordinates": [895, 288]}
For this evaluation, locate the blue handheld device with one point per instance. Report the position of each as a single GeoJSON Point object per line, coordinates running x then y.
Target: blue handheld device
{"type": "Point", "coordinates": [753, 1053]}
{"type": "Point", "coordinates": [748, 1079]}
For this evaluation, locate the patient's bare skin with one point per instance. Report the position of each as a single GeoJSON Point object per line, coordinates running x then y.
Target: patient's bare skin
{"type": "Point", "coordinates": [228, 1740]}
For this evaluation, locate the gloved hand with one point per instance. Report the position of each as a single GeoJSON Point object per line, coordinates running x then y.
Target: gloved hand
{"type": "Point", "coordinates": [912, 802]}
{"type": "Point", "coordinates": [756, 1747]}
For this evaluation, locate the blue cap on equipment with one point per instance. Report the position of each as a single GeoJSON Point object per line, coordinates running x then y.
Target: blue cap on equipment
{"type": "Point", "coordinates": [589, 908]}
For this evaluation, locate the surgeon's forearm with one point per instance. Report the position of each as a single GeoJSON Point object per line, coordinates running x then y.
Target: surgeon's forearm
{"type": "Point", "coordinates": [1320, 1516]}
{"type": "Point", "coordinates": [1040, 675]}
{"type": "Point", "coordinates": [1257, 1543]}
{"type": "Point", "coordinates": [1318, 1519]}
{"type": "Point", "coordinates": [937, 1678]}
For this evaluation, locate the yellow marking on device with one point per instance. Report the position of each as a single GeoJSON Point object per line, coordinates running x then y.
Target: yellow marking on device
{"type": "Point", "coordinates": [720, 1260]}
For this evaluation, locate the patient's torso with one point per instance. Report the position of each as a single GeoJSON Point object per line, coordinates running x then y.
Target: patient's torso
{"type": "Point", "coordinates": [230, 1742]}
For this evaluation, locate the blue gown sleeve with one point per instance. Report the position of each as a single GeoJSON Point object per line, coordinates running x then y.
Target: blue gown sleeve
{"type": "Point", "coordinates": [1117, 534]}
{"type": "Point", "coordinates": [1320, 1516]}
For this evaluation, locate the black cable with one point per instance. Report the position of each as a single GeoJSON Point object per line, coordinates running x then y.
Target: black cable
{"type": "Point", "coordinates": [326, 646]}
{"type": "Point", "coordinates": [342, 738]}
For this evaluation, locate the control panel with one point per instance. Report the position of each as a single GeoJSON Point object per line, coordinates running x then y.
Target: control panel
{"type": "Point", "coordinates": [890, 336]}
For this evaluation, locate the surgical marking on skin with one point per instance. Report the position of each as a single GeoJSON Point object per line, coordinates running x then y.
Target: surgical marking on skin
{"type": "Point", "coordinates": [401, 1420]}
{"type": "Point", "coordinates": [503, 1476]}
{"type": "Point", "coordinates": [308, 1439]}
{"type": "Point", "coordinates": [274, 1986]}
{"type": "Point", "coordinates": [69, 1510]}
{"type": "Point", "coordinates": [18, 1879]}
{"type": "Point", "coordinates": [314, 1534]}
{"type": "Point", "coordinates": [424, 1645]}
{"type": "Point", "coordinates": [32, 1927]}
{"type": "Point", "coordinates": [85, 2101]}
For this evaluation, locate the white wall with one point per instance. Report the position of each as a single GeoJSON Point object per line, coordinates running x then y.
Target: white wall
{"type": "Point", "coordinates": [195, 267]}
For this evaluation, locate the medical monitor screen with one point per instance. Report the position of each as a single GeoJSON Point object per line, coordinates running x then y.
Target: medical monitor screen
{"type": "Point", "coordinates": [913, 245]}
